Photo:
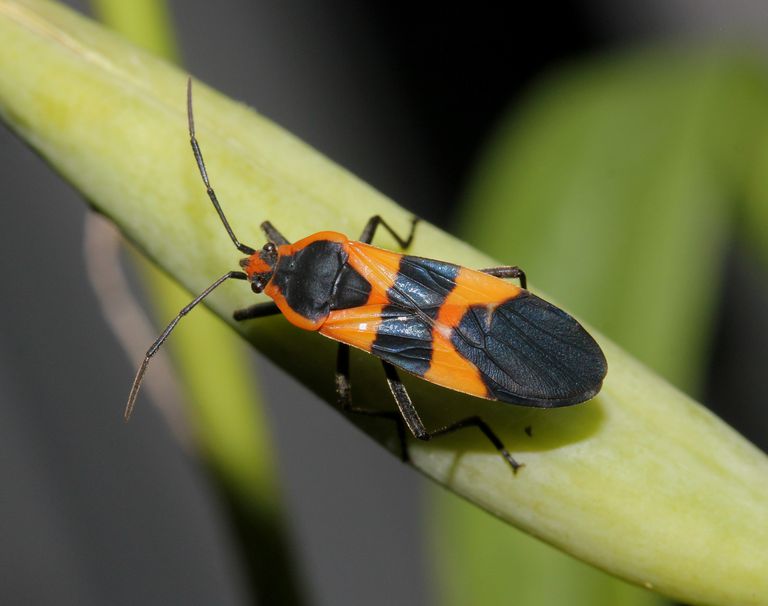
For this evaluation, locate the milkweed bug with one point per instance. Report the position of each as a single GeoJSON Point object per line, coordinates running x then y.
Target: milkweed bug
{"type": "Point", "coordinates": [467, 330]}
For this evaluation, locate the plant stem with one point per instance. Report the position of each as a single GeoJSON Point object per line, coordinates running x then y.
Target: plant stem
{"type": "Point", "coordinates": [642, 481]}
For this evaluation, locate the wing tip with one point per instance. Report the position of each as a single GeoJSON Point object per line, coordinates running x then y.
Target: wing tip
{"type": "Point", "coordinates": [503, 395]}
{"type": "Point", "coordinates": [579, 357]}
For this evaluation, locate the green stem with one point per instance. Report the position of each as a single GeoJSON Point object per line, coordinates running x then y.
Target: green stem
{"type": "Point", "coordinates": [642, 481]}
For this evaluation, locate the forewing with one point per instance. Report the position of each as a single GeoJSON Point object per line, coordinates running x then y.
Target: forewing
{"type": "Point", "coordinates": [469, 332]}
{"type": "Point", "coordinates": [530, 352]}
{"type": "Point", "coordinates": [392, 335]}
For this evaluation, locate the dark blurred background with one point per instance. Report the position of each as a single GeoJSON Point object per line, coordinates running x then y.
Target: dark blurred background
{"type": "Point", "coordinates": [374, 86]}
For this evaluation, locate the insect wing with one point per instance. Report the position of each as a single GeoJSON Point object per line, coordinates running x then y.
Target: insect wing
{"type": "Point", "coordinates": [469, 331]}
{"type": "Point", "coordinates": [530, 352]}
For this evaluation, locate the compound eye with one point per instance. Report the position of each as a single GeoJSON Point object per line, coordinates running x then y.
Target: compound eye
{"type": "Point", "coordinates": [270, 248]}
{"type": "Point", "coordinates": [257, 285]}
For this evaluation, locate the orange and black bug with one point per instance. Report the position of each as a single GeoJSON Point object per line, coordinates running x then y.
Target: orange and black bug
{"type": "Point", "coordinates": [467, 330]}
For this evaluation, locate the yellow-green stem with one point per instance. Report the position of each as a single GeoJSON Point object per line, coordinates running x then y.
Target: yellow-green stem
{"type": "Point", "coordinates": [642, 481]}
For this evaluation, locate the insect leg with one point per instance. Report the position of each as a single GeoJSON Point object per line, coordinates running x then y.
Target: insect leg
{"type": "Point", "coordinates": [507, 272]}
{"type": "Point", "coordinates": [232, 275]}
{"type": "Point", "coordinates": [259, 310]}
{"type": "Point", "coordinates": [373, 223]}
{"type": "Point", "coordinates": [475, 421]}
{"type": "Point", "coordinates": [417, 427]}
{"type": "Point", "coordinates": [344, 399]}
{"type": "Point", "coordinates": [273, 235]}
{"type": "Point", "coordinates": [204, 174]}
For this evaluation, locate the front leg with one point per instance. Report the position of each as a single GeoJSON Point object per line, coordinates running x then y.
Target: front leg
{"type": "Point", "coordinates": [259, 310]}
{"type": "Point", "coordinates": [344, 399]}
{"type": "Point", "coordinates": [273, 235]}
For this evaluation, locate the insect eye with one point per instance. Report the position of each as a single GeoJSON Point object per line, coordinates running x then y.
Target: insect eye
{"type": "Point", "coordinates": [257, 285]}
{"type": "Point", "coordinates": [270, 248]}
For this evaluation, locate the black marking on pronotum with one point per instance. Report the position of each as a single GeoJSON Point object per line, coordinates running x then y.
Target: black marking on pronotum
{"type": "Point", "coordinates": [306, 278]}
{"type": "Point", "coordinates": [351, 289]}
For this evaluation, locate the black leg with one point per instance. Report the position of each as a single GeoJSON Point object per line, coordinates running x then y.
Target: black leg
{"type": "Point", "coordinates": [476, 421]}
{"type": "Point", "coordinates": [232, 275]}
{"type": "Point", "coordinates": [415, 424]}
{"type": "Point", "coordinates": [273, 235]}
{"type": "Point", "coordinates": [259, 310]}
{"type": "Point", "coordinates": [373, 223]}
{"type": "Point", "coordinates": [343, 384]}
{"type": "Point", "coordinates": [344, 399]}
{"type": "Point", "coordinates": [507, 272]}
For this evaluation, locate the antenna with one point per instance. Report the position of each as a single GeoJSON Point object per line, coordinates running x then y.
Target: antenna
{"type": "Point", "coordinates": [232, 275]}
{"type": "Point", "coordinates": [204, 174]}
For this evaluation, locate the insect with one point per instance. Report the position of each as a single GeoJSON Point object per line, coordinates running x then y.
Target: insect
{"type": "Point", "coordinates": [467, 330]}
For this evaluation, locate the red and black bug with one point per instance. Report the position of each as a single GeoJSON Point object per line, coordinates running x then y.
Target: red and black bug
{"type": "Point", "coordinates": [467, 330]}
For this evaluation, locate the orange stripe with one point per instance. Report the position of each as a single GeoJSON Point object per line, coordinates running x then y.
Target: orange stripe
{"type": "Point", "coordinates": [294, 318]}
{"type": "Point", "coordinates": [474, 288]}
{"type": "Point", "coordinates": [356, 326]}
{"type": "Point", "coordinates": [448, 367]}
{"type": "Point", "coordinates": [451, 370]}
{"type": "Point", "coordinates": [378, 266]}
{"type": "Point", "coordinates": [331, 236]}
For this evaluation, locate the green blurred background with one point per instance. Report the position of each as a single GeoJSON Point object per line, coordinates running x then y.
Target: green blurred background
{"type": "Point", "coordinates": [614, 151]}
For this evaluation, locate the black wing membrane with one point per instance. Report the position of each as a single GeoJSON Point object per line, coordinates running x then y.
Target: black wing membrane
{"type": "Point", "coordinates": [404, 336]}
{"type": "Point", "coordinates": [530, 352]}
{"type": "Point", "coordinates": [526, 350]}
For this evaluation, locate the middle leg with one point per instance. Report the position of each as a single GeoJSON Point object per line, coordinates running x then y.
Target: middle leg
{"type": "Point", "coordinates": [507, 272]}
{"type": "Point", "coordinates": [419, 430]}
{"type": "Point", "coordinates": [344, 399]}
